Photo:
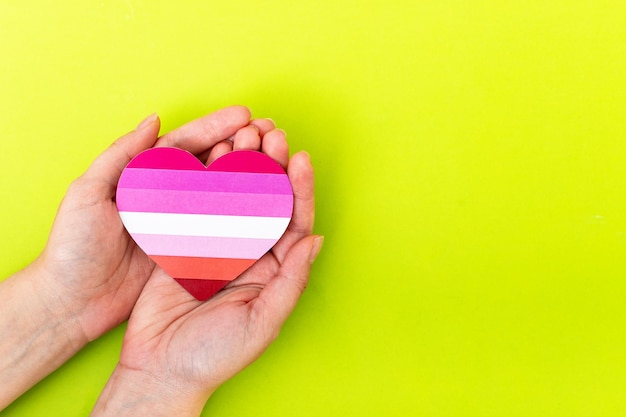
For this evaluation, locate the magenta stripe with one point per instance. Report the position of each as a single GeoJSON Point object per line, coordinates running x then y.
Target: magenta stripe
{"type": "Point", "coordinates": [232, 182]}
{"type": "Point", "coordinates": [168, 158]}
{"type": "Point", "coordinates": [203, 246]}
{"type": "Point", "coordinates": [237, 161]}
{"type": "Point", "coordinates": [246, 161]}
{"type": "Point", "coordinates": [196, 202]}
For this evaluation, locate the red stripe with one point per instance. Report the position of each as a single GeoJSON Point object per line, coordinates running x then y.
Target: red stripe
{"type": "Point", "coordinates": [202, 289]}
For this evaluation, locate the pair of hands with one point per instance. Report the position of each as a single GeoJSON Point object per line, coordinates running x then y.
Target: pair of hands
{"type": "Point", "coordinates": [176, 346]}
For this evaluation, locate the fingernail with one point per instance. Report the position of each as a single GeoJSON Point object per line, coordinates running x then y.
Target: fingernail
{"type": "Point", "coordinates": [147, 121]}
{"type": "Point", "coordinates": [315, 248]}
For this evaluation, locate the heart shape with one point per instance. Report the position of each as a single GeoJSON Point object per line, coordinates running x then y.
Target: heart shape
{"type": "Point", "coordinates": [204, 225]}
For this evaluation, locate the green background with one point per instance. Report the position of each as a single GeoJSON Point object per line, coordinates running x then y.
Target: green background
{"type": "Point", "coordinates": [471, 177]}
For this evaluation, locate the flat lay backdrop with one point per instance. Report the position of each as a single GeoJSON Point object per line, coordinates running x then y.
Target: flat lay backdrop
{"type": "Point", "coordinates": [471, 186]}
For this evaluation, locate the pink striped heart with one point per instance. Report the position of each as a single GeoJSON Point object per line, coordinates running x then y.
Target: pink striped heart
{"type": "Point", "coordinates": [204, 225]}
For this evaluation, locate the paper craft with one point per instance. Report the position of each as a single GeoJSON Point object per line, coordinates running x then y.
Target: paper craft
{"type": "Point", "coordinates": [204, 225]}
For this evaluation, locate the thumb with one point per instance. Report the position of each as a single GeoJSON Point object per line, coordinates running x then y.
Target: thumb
{"type": "Point", "coordinates": [282, 293]}
{"type": "Point", "coordinates": [108, 166]}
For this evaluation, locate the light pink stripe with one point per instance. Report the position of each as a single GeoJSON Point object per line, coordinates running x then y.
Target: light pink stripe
{"type": "Point", "coordinates": [194, 202]}
{"type": "Point", "coordinates": [203, 246]}
{"type": "Point", "coordinates": [231, 182]}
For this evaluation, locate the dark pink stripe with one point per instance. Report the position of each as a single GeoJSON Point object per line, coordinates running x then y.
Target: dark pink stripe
{"type": "Point", "coordinates": [196, 202]}
{"type": "Point", "coordinates": [231, 182]}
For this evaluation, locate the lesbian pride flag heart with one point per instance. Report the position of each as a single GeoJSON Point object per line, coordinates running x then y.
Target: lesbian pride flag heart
{"type": "Point", "coordinates": [204, 225]}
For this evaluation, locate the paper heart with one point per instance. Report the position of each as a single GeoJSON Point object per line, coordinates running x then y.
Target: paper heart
{"type": "Point", "coordinates": [204, 225]}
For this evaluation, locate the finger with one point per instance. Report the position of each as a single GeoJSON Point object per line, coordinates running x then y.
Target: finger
{"type": "Point", "coordinates": [203, 133]}
{"type": "Point", "coordinates": [300, 173]}
{"type": "Point", "coordinates": [281, 294]}
{"type": "Point", "coordinates": [259, 274]}
{"type": "Point", "coordinates": [218, 150]}
{"type": "Point", "coordinates": [264, 125]}
{"type": "Point", "coordinates": [108, 166]}
{"type": "Point", "coordinates": [275, 146]}
{"type": "Point", "coordinates": [247, 138]}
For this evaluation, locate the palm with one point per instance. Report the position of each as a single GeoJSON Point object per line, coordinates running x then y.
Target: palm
{"type": "Point", "coordinates": [96, 261]}
{"type": "Point", "coordinates": [197, 341]}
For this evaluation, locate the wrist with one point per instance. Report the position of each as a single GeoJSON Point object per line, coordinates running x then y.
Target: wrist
{"type": "Point", "coordinates": [132, 392]}
{"type": "Point", "coordinates": [55, 302]}
{"type": "Point", "coordinates": [61, 294]}
{"type": "Point", "coordinates": [37, 336]}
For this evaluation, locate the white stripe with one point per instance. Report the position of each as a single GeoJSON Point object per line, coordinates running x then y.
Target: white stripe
{"type": "Point", "coordinates": [204, 225]}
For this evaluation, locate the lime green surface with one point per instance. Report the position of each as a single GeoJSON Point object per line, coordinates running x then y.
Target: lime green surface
{"type": "Point", "coordinates": [471, 185]}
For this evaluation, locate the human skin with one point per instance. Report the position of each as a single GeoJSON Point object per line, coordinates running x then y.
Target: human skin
{"type": "Point", "coordinates": [91, 274]}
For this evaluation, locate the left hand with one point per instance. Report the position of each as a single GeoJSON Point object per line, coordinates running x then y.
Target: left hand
{"type": "Point", "coordinates": [91, 271]}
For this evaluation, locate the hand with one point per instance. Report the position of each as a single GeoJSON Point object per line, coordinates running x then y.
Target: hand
{"type": "Point", "coordinates": [90, 265]}
{"type": "Point", "coordinates": [178, 350]}
{"type": "Point", "coordinates": [90, 274]}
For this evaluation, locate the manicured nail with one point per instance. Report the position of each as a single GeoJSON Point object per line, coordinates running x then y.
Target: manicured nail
{"type": "Point", "coordinates": [147, 121]}
{"type": "Point", "coordinates": [315, 248]}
